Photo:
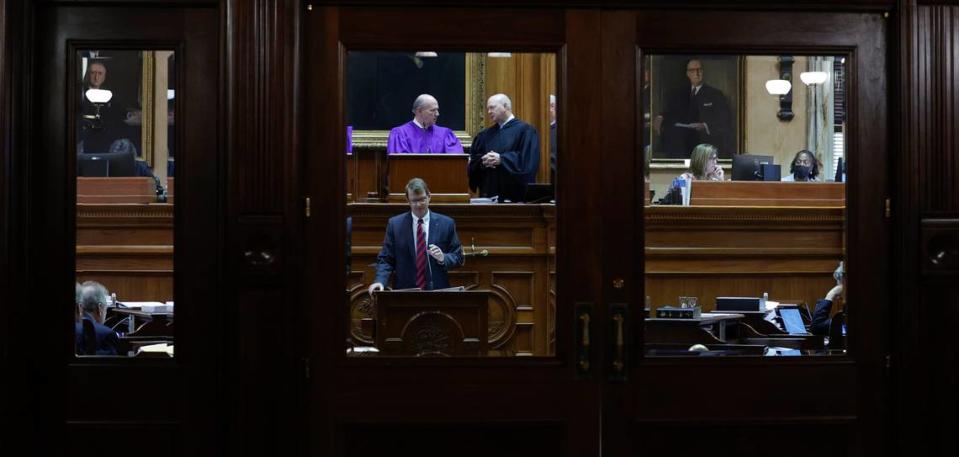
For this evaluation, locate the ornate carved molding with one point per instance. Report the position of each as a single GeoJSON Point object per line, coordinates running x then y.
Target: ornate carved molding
{"type": "Point", "coordinates": [132, 211]}
{"type": "Point", "coordinates": [433, 333]}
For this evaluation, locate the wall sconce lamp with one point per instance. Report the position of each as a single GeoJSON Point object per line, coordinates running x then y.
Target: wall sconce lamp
{"type": "Point", "coordinates": [426, 54]}
{"type": "Point", "coordinates": [783, 88]}
{"type": "Point", "coordinates": [499, 54]}
{"type": "Point", "coordinates": [811, 78]}
{"type": "Point", "coordinates": [98, 97]}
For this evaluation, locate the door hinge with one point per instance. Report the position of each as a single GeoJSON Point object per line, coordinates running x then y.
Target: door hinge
{"type": "Point", "coordinates": [888, 208]}
{"type": "Point", "coordinates": [306, 368]}
{"type": "Point", "coordinates": [306, 207]}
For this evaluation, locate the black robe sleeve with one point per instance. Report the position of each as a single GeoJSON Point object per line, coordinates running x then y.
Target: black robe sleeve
{"type": "Point", "coordinates": [523, 161]}
{"type": "Point", "coordinates": [475, 168]}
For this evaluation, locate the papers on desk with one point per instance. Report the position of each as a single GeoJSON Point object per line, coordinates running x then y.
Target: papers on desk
{"type": "Point", "coordinates": [140, 304]}
{"type": "Point", "coordinates": [160, 348]}
{"type": "Point", "coordinates": [483, 200]}
{"type": "Point", "coordinates": [450, 289]}
{"type": "Point", "coordinates": [157, 308]}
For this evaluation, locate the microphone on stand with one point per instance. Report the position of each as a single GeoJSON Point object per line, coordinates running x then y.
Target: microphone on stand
{"type": "Point", "coordinates": [473, 252]}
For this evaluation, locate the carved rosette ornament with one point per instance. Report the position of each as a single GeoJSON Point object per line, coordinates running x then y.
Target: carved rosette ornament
{"type": "Point", "coordinates": [432, 333]}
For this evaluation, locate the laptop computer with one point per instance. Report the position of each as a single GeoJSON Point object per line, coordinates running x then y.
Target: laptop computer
{"type": "Point", "coordinates": [792, 320]}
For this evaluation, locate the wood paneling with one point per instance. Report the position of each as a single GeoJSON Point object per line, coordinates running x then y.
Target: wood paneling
{"type": "Point", "coordinates": [263, 211]}
{"type": "Point", "coordinates": [262, 74]}
{"type": "Point", "coordinates": [709, 252]}
{"type": "Point", "coordinates": [928, 182]}
{"type": "Point", "coordinates": [934, 104]}
{"type": "Point", "coordinates": [748, 193]}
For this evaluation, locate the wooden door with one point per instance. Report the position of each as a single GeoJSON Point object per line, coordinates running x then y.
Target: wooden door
{"type": "Point", "coordinates": [138, 405]}
{"type": "Point", "coordinates": [749, 405]}
{"type": "Point", "coordinates": [541, 405]}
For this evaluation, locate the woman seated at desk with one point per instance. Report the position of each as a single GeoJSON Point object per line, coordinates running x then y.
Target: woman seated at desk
{"type": "Point", "coordinates": [804, 168]}
{"type": "Point", "coordinates": [703, 165]}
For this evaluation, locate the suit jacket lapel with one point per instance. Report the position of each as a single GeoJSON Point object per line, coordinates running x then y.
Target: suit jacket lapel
{"type": "Point", "coordinates": [406, 233]}
{"type": "Point", "coordinates": [431, 237]}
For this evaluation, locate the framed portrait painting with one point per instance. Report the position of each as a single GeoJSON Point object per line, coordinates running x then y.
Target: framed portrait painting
{"type": "Point", "coordinates": [689, 100]}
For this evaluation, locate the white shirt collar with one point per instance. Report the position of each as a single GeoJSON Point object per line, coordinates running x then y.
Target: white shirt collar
{"type": "Point", "coordinates": [697, 88]}
{"type": "Point", "coordinates": [418, 124]}
{"type": "Point", "coordinates": [426, 218]}
{"type": "Point", "coordinates": [511, 117]}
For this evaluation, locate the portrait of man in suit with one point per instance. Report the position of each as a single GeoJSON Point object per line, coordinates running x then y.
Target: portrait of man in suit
{"type": "Point", "coordinates": [420, 246]}
{"type": "Point", "coordinates": [695, 112]}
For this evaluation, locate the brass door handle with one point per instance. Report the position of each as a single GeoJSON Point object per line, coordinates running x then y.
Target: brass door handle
{"type": "Point", "coordinates": [618, 346]}
{"type": "Point", "coordinates": [583, 349]}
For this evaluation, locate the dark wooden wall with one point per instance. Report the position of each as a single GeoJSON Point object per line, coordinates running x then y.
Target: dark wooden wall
{"type": "Point", "coordinates": [927, 359]}
{"type": "Point", "coordinates": [264, 214]}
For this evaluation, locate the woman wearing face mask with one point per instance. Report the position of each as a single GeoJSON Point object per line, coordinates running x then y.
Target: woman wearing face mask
{"type": "Point", "coordinates": [804, 168]}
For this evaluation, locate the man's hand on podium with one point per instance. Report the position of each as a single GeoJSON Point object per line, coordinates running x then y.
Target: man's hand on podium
{"type": "Point", "coordinates": [374, 287]}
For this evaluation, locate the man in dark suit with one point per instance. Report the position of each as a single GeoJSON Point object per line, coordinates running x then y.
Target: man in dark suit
{"type": "Point", "coordinates": [698, 114]}
{"type": "Point", "coordinates": [99, 339]}
{"type": "Point", "coordinates": [420, 246]}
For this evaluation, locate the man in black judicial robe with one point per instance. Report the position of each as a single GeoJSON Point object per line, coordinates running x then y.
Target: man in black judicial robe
{"type": "Point", "coordinates": [504, 157]}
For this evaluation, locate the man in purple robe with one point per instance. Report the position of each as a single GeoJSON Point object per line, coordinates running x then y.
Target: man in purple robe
{"type": "Point", "coordinates": [422, 135]}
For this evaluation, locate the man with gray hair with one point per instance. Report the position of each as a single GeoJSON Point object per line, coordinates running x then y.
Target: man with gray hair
{"type": "Point", "coordinates": [96, 339]}
{"type": "Point", "coordinates": [422, 135]}
{"type": "Point", "coordinates": [504, 158]}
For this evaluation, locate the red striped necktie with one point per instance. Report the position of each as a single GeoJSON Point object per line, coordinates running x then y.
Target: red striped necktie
{"type": "Point", "coordinates": [420, 255]}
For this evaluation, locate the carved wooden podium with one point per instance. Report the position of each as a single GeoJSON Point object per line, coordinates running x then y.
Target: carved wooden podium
{"type": "Point", "coordinates": [432, 323]}
{"type": "Point", "coordinates": [377, 177]}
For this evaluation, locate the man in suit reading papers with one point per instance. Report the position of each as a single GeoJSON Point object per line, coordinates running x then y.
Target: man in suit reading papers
{"type": "Point", "coordinates": [419, 247]}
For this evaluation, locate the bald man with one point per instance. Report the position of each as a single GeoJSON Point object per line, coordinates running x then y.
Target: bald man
{"type": "Point", "coordinates": [422, 135]}
{"type": "Point", "coordinates": [504, 157]}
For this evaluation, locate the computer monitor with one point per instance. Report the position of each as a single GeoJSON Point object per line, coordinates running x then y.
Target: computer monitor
{"type": "Point", "coordinates": [107, 164]}
{"type": "Point", "coordinates": [538, 193]}
{"type": "Point", "coordinates": [747, 167]}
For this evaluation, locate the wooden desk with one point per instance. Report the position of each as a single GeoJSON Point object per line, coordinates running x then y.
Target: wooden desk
{"type": "Point", "coordinates": [128, 248]}
{"type": "Point", "coordinates": [714, 251]}
{"type": "Point", "coordinates": [124, 238]}
{"type": "Point", "coordinates": [668, 330]}
{"type": "Point", "coordinates": [758, 193]}
{"type": "Point", "coordinates": [120, 190]}
{"type": "Point", "coordinates": [146, 324]}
